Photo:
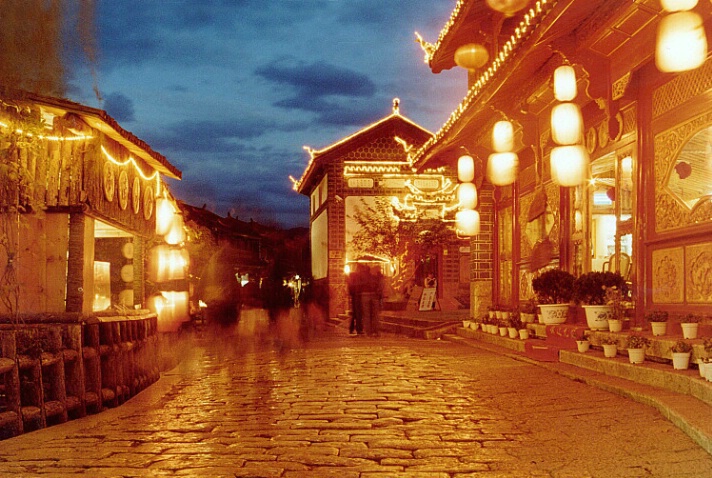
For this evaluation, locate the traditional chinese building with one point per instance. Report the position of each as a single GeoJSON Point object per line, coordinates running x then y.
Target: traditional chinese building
{"type": "Point", "coordinates": [643, 206]}
{"type": "Point", "coordinates": [370, 172]}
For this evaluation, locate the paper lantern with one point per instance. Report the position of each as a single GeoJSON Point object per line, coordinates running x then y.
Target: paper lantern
{"type": "Point", "coordinates": [164, 215]}
{"type": "Point", "coordinates": [565, 83]}
{"type": "Point", "coordinates": [171, 308]}
{"type": "Point", "coordinates": [503, 136]}
{"type": "Point", "coordinates": [471, 56]}
{"type": "Point", "coordinates": [566, 124]}
{"type": "Point", "coordinates": [508, 7]}
{"type": "Point", "coordinates": [176, 234]}
{"type": "Point", "coordinates": [465, 168]}
{"type": "Point", "coordinates": [681, 43]}
{"type": "Point", "coordinates": [678, 5]}
{"type": "Point", "coordinates": [467, 196]}
{"type": "Point", "coordinates": [627, 167]}
{"type": "Point", "coordinates": [467, 222]}
{"type": "Point", "coordinates": [569, 165]}
{"type": "Point", "coordinates": [168, 263]}
{"type": "Point", "coordinates": [502, 168]}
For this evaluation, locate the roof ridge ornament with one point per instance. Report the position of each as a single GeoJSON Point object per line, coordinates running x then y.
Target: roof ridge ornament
{"type": "Point", "coordinates": [396, 106]}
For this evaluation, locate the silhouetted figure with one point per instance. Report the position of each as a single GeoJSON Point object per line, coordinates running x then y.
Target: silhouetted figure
{"type": "Point", "coordinates": [220, 290]}
{"type": "Point", "coordinates": [371, 300]}
{"type": "Point", "coordinates": [356, 284]}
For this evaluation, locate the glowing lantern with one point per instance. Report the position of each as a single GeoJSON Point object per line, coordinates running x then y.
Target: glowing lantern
{"type": "Point", "coordinates": [678, 5]}
{"type": "Point", "coordinates": [502, 168]}
{"type": "Point", "coordinates": [508, 7]}
{"type": "Point", "coordinates": [467, 222]}
{"type": "Point", "coordinates": [569, 165]}
{"type": "Point", "coordinates": [565, 83]}
{"type": "Point", "coordinates": [566, 124]}
{"type": "Point", "coordinates": [467, 195]}
{"type": "Point", "coordinates": [471, 56]}
{"type": "Point", "coordinates": [164, 215]}
{"type": "Point", "coordinates": [176, 234]}
{"type": "Point", "coordinates": [171, 307]}
{"type": "Point", "coordinates": [503, 136]}
{"type": "Point", "coordinates": [681, 43]}
{"type": "Point", "coordinates": [465, 168]}
{"type": "Point", "coordinates": [627, 167]}
{"type": "Point", "coordinates": [168, 263]}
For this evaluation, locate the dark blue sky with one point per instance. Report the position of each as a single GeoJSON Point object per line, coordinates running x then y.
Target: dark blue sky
{"type": "Point", "coordinates": [229, 91]}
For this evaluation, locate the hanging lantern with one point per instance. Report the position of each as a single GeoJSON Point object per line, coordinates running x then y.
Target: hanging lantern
{"type": "Point", "coordinates": [467, 195]}
{"type": "Point", "coordinates": [627, 167]}
{"type": "Point", "coordinates": [164, 215]}
{"type": "Point", "coordinates": [678, 5]}
{"type": "Point", "coordinates": [502, 168]}
{"type": "Point", "coordinates": [507, 7]}
{"type": "Point", "coordinates": [681, 42]}
{"type": "Point", "coordinates": [565, 83]}
{"type": "Point", "coordinates": [467, 222]}
{"type": "Point", "coordinates": [471, 56]}
{"type": "Point", "coordinates": [503, 136]}
{"type": "Point", "coordinates": [465, 168]}
{"type": "Point", "coordinates": [569, 165]}
{"type": "Point", "coordinates": [176, 234]}
{"type": "Point", "coordinates": [168, 264]}
{"type": "Point", "coordinates": [566, 124]}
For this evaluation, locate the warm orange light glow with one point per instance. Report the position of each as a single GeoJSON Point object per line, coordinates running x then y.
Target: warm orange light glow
{"type": "Point", "coordinates": [678, 5]}
{"type": "Point", "coordinates": [569, 165]}
{"type": "Point", "coordinates": [565, 83]}
{"type": "Point", "coordinates": [176, 234]}
{"type": "Point", "coordinates": [467, 196]}
{"type": "Point", "coordinates": [502, 168]}
{"type": "Point", "coordinates": [566, 124]}
{"type": "Point", "coordinates": [503, 137]}
{"type": "Point", "coordinates": [681, 42]}
{"type": "Point", "coordinates": [165, 211]}
{"type": "Point", "coordinates": [168, 263]}
{"type": "Point", "coordinates": [467, 222]}
{"type": "Point", "coordinates": [471, 56]}
{"type": "Point", "coordinates": [627, 167]}
{"type": "Point", "coordinates": [507, 7]}
{"type": "Point", "coordinates": [171, 307]}
{"type": "Point", "coordinates": [465, 168]}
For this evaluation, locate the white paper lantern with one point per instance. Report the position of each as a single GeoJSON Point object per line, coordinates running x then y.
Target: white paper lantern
{"type": "Point", "coordinates": [508, 7]}
{"type": "Point", "coordinates": [164, 215]}
{"type": "Point", "coordinates": [503, 136]}
{"type": "Point", "coordinates": [467, 196]}
{"type": "Point", "coordinates": [502, 168]}
{"type": "Point", "coordinates": [176, 234]}
{"type": "Point", "coordinates": [678, 5]}
{"type": "Point", "coordinates": [569, 165]}
{"type": "Point", "coordinates": [471, 56]}
{"type": "Point", "coordinates": [465, 168]}
{"type": "Point", "coordinates": [681, 43]}
{"type": "Point", "coordinates": [467, 222]}
{"type": "Point", "coordinates": [565, 83]}
{"type": "Point", "coordinates": [566, 124]}
{"type": "Point", "coordinates": [627, 167]}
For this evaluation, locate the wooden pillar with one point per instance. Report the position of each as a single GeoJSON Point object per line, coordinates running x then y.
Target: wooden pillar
{"type": "Point", "coordinates": [80, 267]}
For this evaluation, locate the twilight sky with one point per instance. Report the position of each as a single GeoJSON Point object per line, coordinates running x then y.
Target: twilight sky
{"type": "Point", "coordinates": [230, 90]}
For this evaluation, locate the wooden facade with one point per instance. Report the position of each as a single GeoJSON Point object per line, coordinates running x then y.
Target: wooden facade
{"type": "Point", "coordinates": [647, 134]}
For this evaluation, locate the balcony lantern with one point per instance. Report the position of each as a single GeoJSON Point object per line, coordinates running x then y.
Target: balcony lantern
{"type": "Point", "coordinates": [502, 168]}
{"type": "Point", "coordinates": [569, 165]}
{"type": "Point", "coordinates": [678, 5]}
{"type": "Point", "coordinates": [681, 42]}
{"type": "Point", "coordinates": [507, 7]}
{"type": "Point", "coordinates": [467, 222]}
{"type": "Point", "coordinates": [165, 212]}
{"type": "Point", "coordinates": [565, 83]}
{"type": "Point", "coordinates": [471, 56]}
{"type": "Point", "coordinates": [566, 124]}
{"type": "Point", "coordinates": [627, 167]}
{"type": "Point", "coordinates": [503, 137]}
{"type": "Point", "coordinates": [467, 196]}
{"type": "Point", "coordinates": [176, 234]}
{"type": "Point", "coordinates": [465, 168]}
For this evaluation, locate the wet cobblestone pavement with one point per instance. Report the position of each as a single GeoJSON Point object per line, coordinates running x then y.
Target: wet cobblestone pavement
{"type": "Point", "coordinates": [263, 404]}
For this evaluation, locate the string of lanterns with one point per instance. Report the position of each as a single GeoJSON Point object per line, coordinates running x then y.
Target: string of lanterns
{"type": "Point", "coordinates": [681, 42]}
{"type": "Point", "coordinates": [467, 219]}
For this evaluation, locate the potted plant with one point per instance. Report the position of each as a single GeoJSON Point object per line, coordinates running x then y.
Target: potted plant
{"type": "Point", "coordinates": [705, 363]}
{"type": "Point", "coordinates": [582, 342]}
{"type": "Point", "coordinates": [528, 311]}
{"type": "Point", "coordinates": [681, 355]}
{"type": "Point", "coordinates": [554, 291]}
{"type": "Point", "coordinates": [503, 324]}
{"type": "Point", "coordinates": [515, 324]}
{"type": "Point", "coordinates": [610, 346]}
{"type": "Point", "coordinates": [689, 324]}
{"type": "Point", "coordinates": [492, 312]}
{"type": "Point", "coordinates": [592, 290]}
{"type": "Point", "coordinates": [658, 321]}
{"type": "Point", "coordinates": [636, 348]}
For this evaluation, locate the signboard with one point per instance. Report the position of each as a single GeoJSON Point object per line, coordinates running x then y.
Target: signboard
{"type": "Point", "coordinates": [427, 299]}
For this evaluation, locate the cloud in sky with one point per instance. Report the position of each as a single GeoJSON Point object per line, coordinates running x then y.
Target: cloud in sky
{"type": "Point", "coordinates": [230, 90]}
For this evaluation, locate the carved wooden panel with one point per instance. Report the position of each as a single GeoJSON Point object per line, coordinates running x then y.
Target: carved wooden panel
{"type": "Point", "coordinates": [698, 273]}
{"type": "Point", "coordinates": [667, 275]}
{"type": "Point", "coordinates": [682, 88]}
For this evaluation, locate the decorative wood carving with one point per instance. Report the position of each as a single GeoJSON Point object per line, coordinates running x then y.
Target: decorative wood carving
{"type": "Point", "coordinates": [682, 88]}
{"type": "Point", "coordinates": [698, 273]}
{"type": "Point", "coordinates": [667, 275]}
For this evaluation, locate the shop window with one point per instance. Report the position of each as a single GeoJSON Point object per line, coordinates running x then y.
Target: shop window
{"type": "Point", "coordinates": [689, 178]}
{"type": "Point", "coordinates": [113, 267]}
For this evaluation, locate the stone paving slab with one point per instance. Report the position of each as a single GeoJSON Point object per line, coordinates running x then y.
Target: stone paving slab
{"type": "Point", "coordinates": [335, 406]}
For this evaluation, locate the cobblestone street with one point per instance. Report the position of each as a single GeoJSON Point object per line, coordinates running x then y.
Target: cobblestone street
{"type": "Point", "coordinates": [261, 404]}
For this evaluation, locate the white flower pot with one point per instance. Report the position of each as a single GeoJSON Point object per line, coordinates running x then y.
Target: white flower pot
{"type": "Point", "coordinates": [615, 325]}
{"type": "Point", "coordinates": [659, 328]}
{"type": "Point", "coordinates": [513, 333]}
{"type": "Point", "coordinates": [680, 360]}
{"type": "Point", "coordinates": [552, 314]}
{"type": "Point", "coordinates": [503, 331]}
{"type": "Point", "coordinates": [528, 318]}
{"type": "Point", "coordinates": [523, 334]}
{"type": "Point", "coordinates": [701, 365]}
{"type": "Point", "coordinates": [636, 355]}
{"type": "Point", "coordinates": [597, 316]}
{"type": "Point", "coordinates": [466, 323]}
{"type": "Point", "coordinates": [689, 330]}
{"type": "Point", "coordinates": [474, 325]}
{"type": "Point", "coordinates": [610, 350]}
{"type": "Point", "coordinates": [583, 345]}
